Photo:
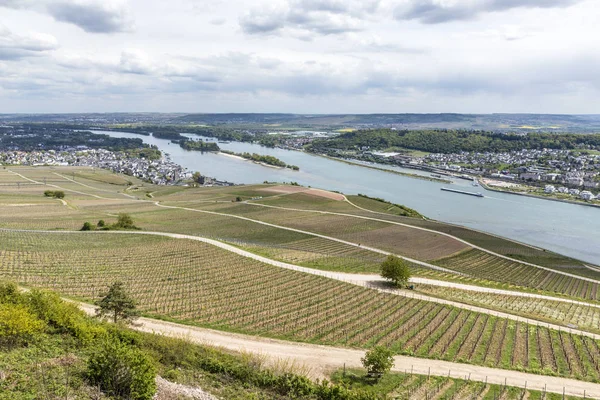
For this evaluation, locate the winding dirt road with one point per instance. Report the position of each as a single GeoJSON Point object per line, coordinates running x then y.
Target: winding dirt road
{"type": "Point", "coordinates": [321, 360]}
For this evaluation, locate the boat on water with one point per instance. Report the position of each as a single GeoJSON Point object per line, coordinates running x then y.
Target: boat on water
{"type": "Point", "coordinates": [475, 183]}
{"type": "Point", "coordinates": [476, 194]}
{"type": "Point", "coordinates": [436, 175]}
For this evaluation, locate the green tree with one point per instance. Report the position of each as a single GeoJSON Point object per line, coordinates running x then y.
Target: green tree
{"type": "Point", "coordinates": [117, 304]}
{"type": "Point", "coordinates": [378, 361]}
{"type": "Point", "coordinates": [101, 223]}
{"type": "Point", "coordinates": [59, 194]}
{"type": "Point", "coordinates": [86, 226]}
{"type": "Point", "coordinates": [122, 372]}
{"type": "Point", "coordinates": [17, 324]}
{"type": "Point", "coordinates": [125, 221]}
{"type": "Point", "coordinates": [395, 270]}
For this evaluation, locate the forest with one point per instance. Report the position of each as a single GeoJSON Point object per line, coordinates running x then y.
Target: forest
{"type": "Point", "coordinates": [453, 141]}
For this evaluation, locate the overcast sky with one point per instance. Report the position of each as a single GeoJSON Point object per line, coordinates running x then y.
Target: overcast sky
{"type": "Point", "coordinates": [303, 56]}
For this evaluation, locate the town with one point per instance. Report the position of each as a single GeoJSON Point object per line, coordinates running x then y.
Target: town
{"type": "Point", "coordinates": [159, 172]}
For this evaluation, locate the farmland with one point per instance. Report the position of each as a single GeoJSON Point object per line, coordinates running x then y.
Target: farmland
{"type": "Point", "coordinates": [482, 265]}
{"type": "Point", "coordinates": [586, 317]}
{"type": "Point", "coordinates": [201, 284]}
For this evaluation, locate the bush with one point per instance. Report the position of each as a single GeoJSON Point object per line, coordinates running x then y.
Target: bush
{"type": "Point", "coordinates": [86, 226]}
{"type": "Point", "coordinates": [17, 324]}
{"type": "Point", "coordinates": [101, 223]}
{"type": "Point", "coordinates": [57, 194]}
{"type": "Point", "coordinates": [122, 371]}
{"type": "Point", "coordinates": [378, 361]}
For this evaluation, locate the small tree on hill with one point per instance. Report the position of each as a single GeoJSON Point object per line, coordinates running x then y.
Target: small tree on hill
{"type": "Point", "coordinates": [125, 222]}
{"type": "Point", "coordinates": [395, 270]}
{"type": "Point", "coordinates": [378, 361]}
{"type": "Point", "coordinates": [86, 226]}
{"type": "Point", "coordinates": [117, 304]}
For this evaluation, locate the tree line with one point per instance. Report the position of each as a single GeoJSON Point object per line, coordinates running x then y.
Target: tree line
{"type": "Point", "coordinates": [453, 141]}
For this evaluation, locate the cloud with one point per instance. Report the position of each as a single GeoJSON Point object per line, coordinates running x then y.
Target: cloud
{"type": "Point", "coordinates": [14, 47]}
{"type": "Point", "coordinates": [93, 17]}
{"type": "Point", "coordinates": [135, 62]}
{"type": "Point", "coordinates": [441, 11]}
{"type": "Point", "coordinates": [303, 18]}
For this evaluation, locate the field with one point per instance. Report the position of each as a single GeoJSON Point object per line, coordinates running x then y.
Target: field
{"type": "Point", "coordinates": [482, 265]}
{"type": "Point", "coordinates": [201, 284]}
{"type": "Point", "coordinates": [416, 387]}
{"type": "Point", "coordinates": [585, 317]}
{"type": "Point", "coordinates": [394, 238]}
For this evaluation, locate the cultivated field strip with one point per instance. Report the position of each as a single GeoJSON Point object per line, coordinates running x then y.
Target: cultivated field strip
{"type": "Point", "coordinates": [485, 266]}
{"type": "Point", "coordinates": [213, 287]}
{"type": "Point", "coordinates": [398, 239]}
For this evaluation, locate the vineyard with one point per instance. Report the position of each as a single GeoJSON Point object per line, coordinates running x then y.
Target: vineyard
{"type": "Point", "coordinates": [401, 240]}
{"type": "Point", "coordinates": [586, 317]}
{"type": "Point", "coordinates": [202, 284]}
{"type": "Point", "coordinates": [417, 387]}
{"type": "Point", "coordinates": [485, 266]}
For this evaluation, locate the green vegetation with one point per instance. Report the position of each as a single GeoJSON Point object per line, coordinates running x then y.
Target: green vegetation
{"type": "Point", "coordinates": [386, 206]}
{"type": "Point", "coordinates": [57, 194]}
{"type": "Point", "coordinates": [479, 264]}
{"type": "Point", "coordinates": [122, 371]}
{"type": "Point", "coordinates": [451, 141]}
{"type": "Point", "coordinates": [198, 145]}
{"type": "Point", "coordinates": [201, 285]}
{"type": "Point", "coordinates": [378, 361]}
{"type": "Point", "coordinates": [269, 160]}
{"type": "Point", "coordinates": [117, 305]}
{"type": "Point", "coordinates": [124, 223]}
{"type": "Point", "coordinates": [396, 271]}
{"type": "Point", "coordinates": [66, 354]}
{"type": "Point", "coordinates": [408, 385]}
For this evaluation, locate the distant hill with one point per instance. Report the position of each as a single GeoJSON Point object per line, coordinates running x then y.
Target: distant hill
{"type": "Point", "coordinates": [487, 122]}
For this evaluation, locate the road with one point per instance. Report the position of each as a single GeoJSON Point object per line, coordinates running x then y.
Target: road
{"type": "Point", "coordinates": [321, 360]}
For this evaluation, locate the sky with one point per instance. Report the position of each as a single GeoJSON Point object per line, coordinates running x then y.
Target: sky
{"type": "Point", "coordinates": [300, 56]}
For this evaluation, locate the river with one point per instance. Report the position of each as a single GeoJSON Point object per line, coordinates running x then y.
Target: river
{"type": "Point", "coordinates": [569, 229]}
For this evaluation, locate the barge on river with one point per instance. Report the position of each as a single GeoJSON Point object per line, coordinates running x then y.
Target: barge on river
{"type": "Point", "coordinates": [463, 192]}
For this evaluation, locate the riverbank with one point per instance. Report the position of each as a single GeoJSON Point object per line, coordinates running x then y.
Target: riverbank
{"type": "Point", "coordinates": [406, 174]}
{"type": "Point", "coordinates": [536, 196]}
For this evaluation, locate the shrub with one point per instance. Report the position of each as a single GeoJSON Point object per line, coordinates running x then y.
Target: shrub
{"type": "Point", "coordinates": [9, 293]}
{"type": "Point", "coordinates": [122, 371]}
{"type": "Point", "coordinates": [101, 223]}
{"type": "Point", "coordinates": [86, 226]}
{"type": "Point", "coordinates": [378, 361]}
{"type": "Point", "coordinates": [17, 324]}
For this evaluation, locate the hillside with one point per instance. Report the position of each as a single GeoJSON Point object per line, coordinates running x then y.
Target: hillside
{"type": "Point", "coordinates": [301, 264]}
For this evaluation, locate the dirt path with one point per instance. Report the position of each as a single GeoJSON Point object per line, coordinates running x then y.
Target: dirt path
{"type": "Point", "coordinates": [91, 187]}
{"type": "Point", "coordinates": [321, 360]}
{"type": "Point", "coordinates": [373, 249]}
{"type": "Point", "coordinates": [427, 230]}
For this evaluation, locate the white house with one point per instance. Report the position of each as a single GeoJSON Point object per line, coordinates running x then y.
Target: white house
{"type": "Point", "coordinates": [550, 189]}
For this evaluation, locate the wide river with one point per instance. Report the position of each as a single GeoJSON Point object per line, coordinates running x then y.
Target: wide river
{"type": "Point", "coordinates": [569, 229]}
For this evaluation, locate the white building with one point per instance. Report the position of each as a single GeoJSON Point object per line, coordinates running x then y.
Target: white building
{"type": "Point", "coordinates": [587, 195]}
{"type": "Point", "coordinates": [550, 189]}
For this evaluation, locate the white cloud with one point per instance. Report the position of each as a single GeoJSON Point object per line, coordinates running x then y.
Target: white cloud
{"type": "Point", "coordinates": [14, 46]}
